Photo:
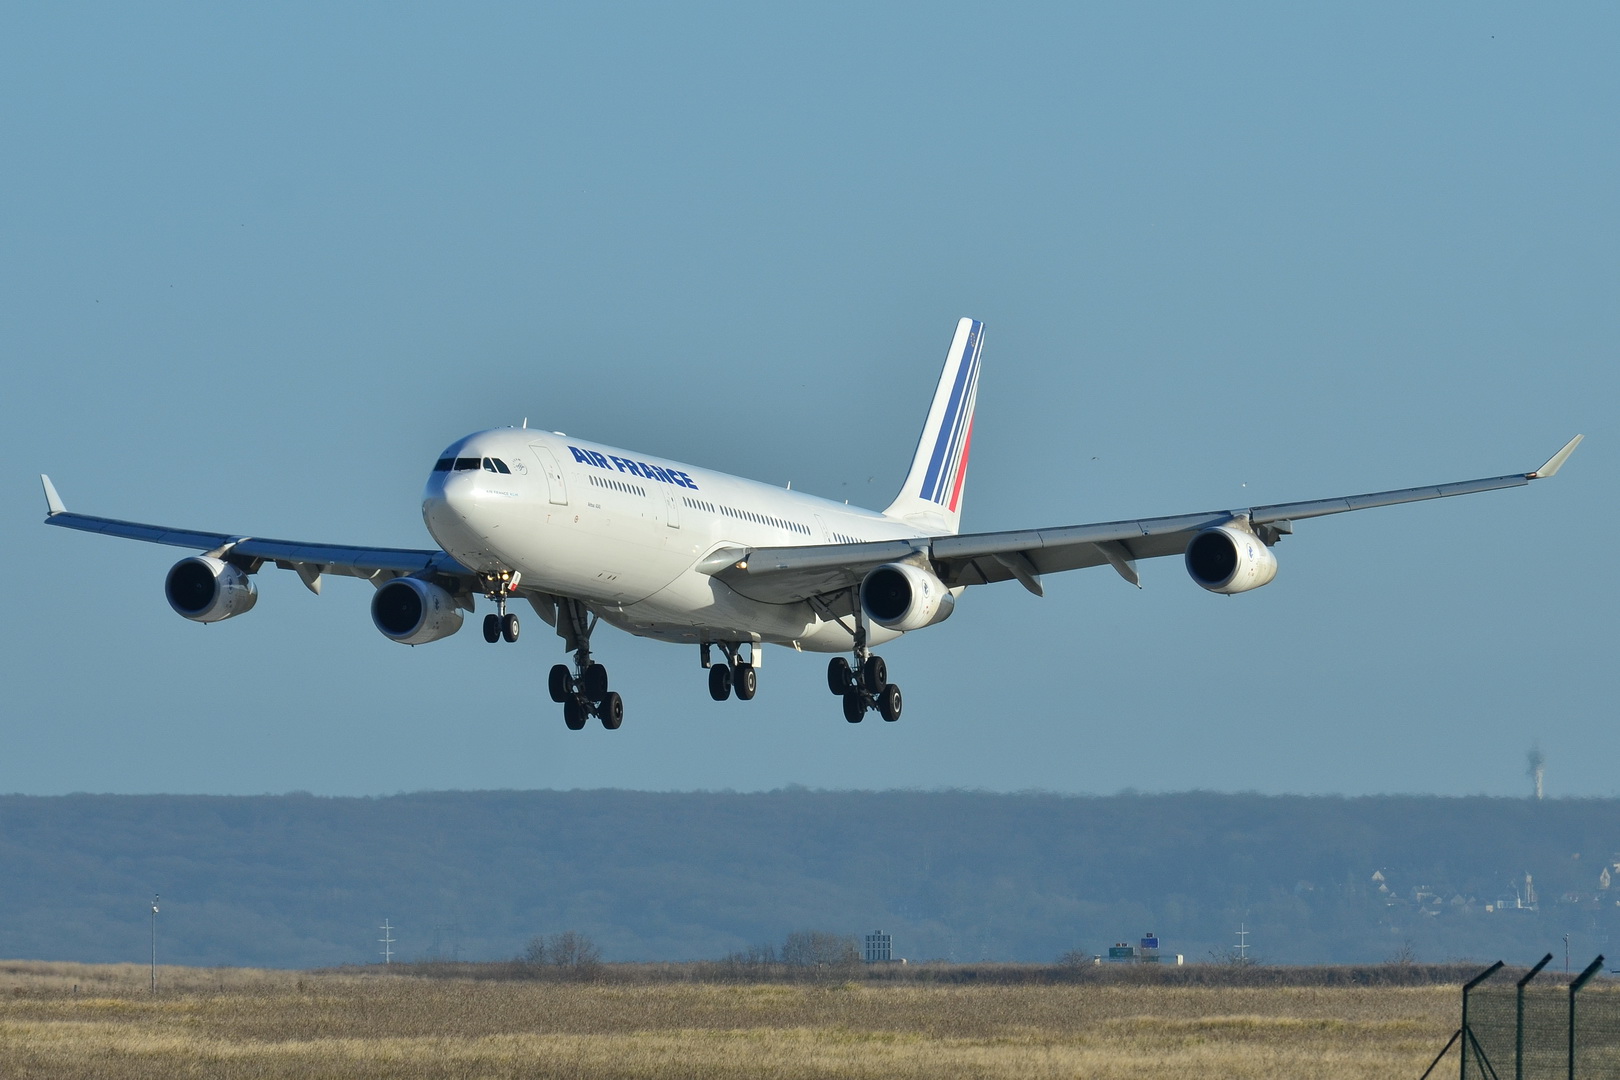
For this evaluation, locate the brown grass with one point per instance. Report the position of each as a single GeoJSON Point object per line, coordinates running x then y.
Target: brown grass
{"type": "Point", "coordinates": [271, 1024]}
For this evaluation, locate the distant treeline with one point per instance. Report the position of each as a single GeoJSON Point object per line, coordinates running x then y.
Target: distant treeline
{"type": "Point", "coordinates": [962, 877]}
{"type": "Point", "coordinates": [1225, 974]}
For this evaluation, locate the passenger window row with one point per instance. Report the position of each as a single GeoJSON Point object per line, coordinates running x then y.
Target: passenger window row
{"type": "Point", "coordinates": [618, 485]}
{"type": "Point", "coordinates": [766, 519]}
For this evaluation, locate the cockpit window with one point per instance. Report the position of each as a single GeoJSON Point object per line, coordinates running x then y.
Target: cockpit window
{"type": "Point", "coordinates": [500, 466]}
{"type": "Point", "coordinates": [489, 464]}
{"type": "Point", "coordinates": [443, 464]}
{"type": "Point", "coordinates": [463, 464]}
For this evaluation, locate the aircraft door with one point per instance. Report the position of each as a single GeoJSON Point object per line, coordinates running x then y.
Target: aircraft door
{"type": "Point", "coordinates": [672, 512]}
{"type": "Point", "coordinates": [554, 476]}
{"type": "Point", "coordinates": [826, 537]}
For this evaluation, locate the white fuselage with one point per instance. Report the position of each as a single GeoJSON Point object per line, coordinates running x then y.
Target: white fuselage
{"type": "Point", "coordinates": [624, 532]}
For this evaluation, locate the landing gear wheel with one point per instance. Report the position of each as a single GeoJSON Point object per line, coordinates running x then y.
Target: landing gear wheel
{"type": "Point", "coordinates": [854, 708]}
{"type": "Point", "coordinates": [560, 682]}
{"type": "Point", "coordinates": [889, 703]}
{"type": "Point", "coordinates": [492, 628]}
{"type": "Point", "coordinates": [509, 627]}
{"type": "Point", "coordinates": [593, 684]}
{"type": "Point", "coordinates": [574, 714]}
{"type": "Point", "coordinates": [745, 680]}
{"type": "Point", "coordinates": [720, 682]}
{"type": "Point", "coordinates": [874, 675]}
{"type": "Point", "coordinates": [839, 678]}
{"type": "Point", "coordinates": [611, 711]}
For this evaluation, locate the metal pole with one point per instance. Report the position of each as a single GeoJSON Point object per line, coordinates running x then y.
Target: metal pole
{"type": "Point", "coordinates": [1518, 1026]}
{"type": "Point", "coordinates": [1574, 988]}
{"type": "Point", "coordinates": [1467, 1034]}
{"type": "Point", "coordinates": [154, 941]}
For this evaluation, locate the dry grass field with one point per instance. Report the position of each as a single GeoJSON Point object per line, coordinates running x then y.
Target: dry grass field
{"type": "Point", "coordinates": [70, 1020]}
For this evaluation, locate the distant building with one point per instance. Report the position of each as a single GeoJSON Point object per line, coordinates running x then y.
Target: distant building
{"type": "Point", "coordinates": [879, 948]}
{"type": "Point", "coordinates": [1145, 952]}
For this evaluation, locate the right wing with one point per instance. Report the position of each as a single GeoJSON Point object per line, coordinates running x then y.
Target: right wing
{"type": "Point", "coordinates": [786, 575]}
{"type": "Point", "coordinates": [309, 560]}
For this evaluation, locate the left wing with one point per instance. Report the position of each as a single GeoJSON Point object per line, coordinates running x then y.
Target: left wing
{"type": "Point", "coordinates": [787, 575]}
{"type": "Point", "coordinates": [310, 560]}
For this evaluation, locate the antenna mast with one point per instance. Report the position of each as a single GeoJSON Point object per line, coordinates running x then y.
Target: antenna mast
{"type": "Point", "coordinates": [387, 941]}
{"type": "Point", "coordinates": [154, 943]}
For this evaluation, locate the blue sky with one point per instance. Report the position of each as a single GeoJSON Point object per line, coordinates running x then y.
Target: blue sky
{"type": "Point", "coordinates": [261, 264]}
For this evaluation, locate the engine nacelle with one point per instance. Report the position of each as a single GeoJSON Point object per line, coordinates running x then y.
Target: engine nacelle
{"type": "Point", "coordinates": [412, 611]}
{"type": "Point", "coordinates": [1227, 559]}
{"type": "Point", "coordinates": [205, 589]}
{"type": "Point", "coordinates": [905, 597]}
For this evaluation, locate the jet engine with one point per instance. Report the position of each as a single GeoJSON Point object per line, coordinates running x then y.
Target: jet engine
{"type": "Point", "coordinates": [905, 597]}
{"type": "Point", "coordinates": [412, 611]}
{"type": "Point", "coordinates": [1227, 559]}
{"type": "Point", "coordinates": [206, 589]}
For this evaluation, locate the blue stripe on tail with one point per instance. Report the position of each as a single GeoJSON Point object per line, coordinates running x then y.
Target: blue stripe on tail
{"type": "Point", "coordinates": [934, 479]}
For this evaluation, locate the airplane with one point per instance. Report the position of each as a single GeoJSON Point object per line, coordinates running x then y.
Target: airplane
{"type": "Point", "coordinates": [587, 533]}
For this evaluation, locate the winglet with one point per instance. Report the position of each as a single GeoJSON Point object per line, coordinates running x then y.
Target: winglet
{"type": "Point", "coordinates": [53, 501]}
{"type": "Point", "coordinates": [1554, 463]}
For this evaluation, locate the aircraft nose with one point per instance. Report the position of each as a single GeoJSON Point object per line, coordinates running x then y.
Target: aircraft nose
{"type": "Point", "coordinates": [448, 502]}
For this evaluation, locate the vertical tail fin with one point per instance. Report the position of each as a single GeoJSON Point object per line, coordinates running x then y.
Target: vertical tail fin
{"type": "Point", "coordinates": [931, 497]}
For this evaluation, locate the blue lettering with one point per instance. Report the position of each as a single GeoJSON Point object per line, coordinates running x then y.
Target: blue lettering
{"type": "Point", "coordinates": [579, 455]}
{"type": "Point", "coordinates": [684, 479]}
{"type": "Point", "coordinates": [624, 466]}
{"type": "Point", "coordinates": [600, 461]}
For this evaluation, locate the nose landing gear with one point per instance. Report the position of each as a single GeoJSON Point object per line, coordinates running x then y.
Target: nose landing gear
{"type": "Point", "coordinates": [501, 624]}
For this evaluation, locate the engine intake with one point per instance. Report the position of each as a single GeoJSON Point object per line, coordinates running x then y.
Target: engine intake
{"type": "Point", "coordinates": [205, 589]}
{"type": "Point", "coordinates": [1227, 559]}
{"type": "Point", "coordinates": [905, 597]}
{"type": "Point", "coordinates": [412, 611]}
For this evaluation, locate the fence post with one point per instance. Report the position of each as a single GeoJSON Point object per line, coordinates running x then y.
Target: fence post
{"type": "Point", "coordinates": [1574, 988]}
{"type": "Point", "coordinates": [1468, 1035]}
{"type": "Point", "coordinates": [1518, 1023]}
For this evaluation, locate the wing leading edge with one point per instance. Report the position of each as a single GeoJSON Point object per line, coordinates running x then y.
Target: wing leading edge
{"type": "Point", "coordinates": [787, 575]}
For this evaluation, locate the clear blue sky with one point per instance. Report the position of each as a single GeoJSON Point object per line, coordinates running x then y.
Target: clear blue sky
{"type": "Point", "coordinates": [260, 264]}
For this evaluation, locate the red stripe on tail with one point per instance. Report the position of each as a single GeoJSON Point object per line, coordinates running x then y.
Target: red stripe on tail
{"type": "Point", "coordinates": [961, 470]}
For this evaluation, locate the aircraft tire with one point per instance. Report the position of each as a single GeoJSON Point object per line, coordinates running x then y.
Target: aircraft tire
{"type": "Point", "coordinates": [854, 708]}
{"type": "Point", "coordinates": [492, 628]}
{"type": "Point", "coordinates": [574, 714]}
{"type": "Point", "coordinates": [509, 628]}
{"type": "Point", "coordinates": [720, 682]}
{"type": "Point", "coordinates": [839, 678]}
{"type": "Point", "coordinates": [745, 680]}
{"type": "Point", "coordinates": [594, 683]}
{"type": "Point", "coordinates": [889, 703]}
{"type": "Point", "coordinates": [559, 683]}
{"type": "Point", "coordinates": [612, 711]}
{"type": "Point", "coordinates": [874, 675]}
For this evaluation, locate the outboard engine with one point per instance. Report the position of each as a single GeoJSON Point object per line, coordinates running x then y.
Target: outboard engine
{"type": "Point", "coordinates": [205, 589]}
{"type": "Point", "coordinates": [412, 611]}
{"type": "Point", "coordinates": [1227, 559]}
{"type": "Point", "coordinates": [904, 597]}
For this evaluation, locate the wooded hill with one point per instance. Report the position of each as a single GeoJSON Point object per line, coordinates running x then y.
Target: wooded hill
{"type": "Point", "coordinates": [299, 880]}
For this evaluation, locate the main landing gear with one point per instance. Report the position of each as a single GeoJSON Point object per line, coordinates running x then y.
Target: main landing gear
{"type": "Point", "coordinates": [583, 690]}
{"type": "Point", "coordinates": [733, 674]}
{"type": "Point", "coordinates": [502, 623]}
{"type": "Point", "coordinates": [864, 686]}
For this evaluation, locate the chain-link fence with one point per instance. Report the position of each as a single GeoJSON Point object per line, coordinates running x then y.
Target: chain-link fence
{"type": "Point", "coordinates": [1534, 1027]}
